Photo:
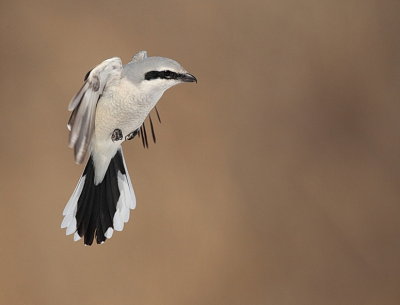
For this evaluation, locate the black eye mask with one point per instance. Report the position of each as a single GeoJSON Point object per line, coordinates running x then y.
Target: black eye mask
{"type": "Point", "coordinates": [167, 74]}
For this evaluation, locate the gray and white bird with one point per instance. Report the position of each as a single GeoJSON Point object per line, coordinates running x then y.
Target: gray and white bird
{"type": "Point", "coordinates": [111, 107]}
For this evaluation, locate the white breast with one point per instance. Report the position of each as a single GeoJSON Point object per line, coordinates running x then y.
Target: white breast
{"type": "Point", "coordinates": [122, 107]}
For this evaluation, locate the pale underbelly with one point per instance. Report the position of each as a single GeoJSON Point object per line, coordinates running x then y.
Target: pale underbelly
{"type": "Point", "coordinates": [124, 116]}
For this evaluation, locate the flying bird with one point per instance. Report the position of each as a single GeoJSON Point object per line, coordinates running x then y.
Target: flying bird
{"type": "Point", "coordinates": [111, 107]}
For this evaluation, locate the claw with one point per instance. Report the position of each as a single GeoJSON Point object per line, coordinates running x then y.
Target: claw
{"type": "Point", "coordinates": [116, 135]}
{"type": "Point", "coordinates": [131, 135]}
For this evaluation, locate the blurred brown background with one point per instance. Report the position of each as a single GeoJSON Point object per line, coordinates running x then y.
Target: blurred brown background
{"type": "Point", "coordinates": [275, 179]}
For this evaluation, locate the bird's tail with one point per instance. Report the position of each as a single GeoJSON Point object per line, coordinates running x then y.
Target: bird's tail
{"type": "Point", "coordinates": [98, 210]}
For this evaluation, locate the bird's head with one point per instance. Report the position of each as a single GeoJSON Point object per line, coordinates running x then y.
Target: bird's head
{"type": "Point", "coordinates": [156, 74]}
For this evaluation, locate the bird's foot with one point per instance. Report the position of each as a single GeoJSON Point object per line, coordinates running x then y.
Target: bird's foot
{"type": "Point", "coordinates": [116, 135]}
{"type": "Point", "coordinates": [131, 135]}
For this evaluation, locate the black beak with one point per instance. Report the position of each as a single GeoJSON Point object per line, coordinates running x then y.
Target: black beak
{"type": "Point", "coordinates": [188, 78]}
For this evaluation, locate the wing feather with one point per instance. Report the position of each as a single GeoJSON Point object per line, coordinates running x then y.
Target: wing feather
{"type": "Point", "coordinates": [83, 105]}
{"type": "Point", "coordinates": [142, 133]}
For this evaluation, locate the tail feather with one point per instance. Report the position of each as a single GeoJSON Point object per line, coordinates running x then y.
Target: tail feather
{"type": "Point", "coordinates": [95, 211]}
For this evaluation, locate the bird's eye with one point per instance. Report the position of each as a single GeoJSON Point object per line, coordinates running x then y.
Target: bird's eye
{"type": "Point", "coordinates": [168, 74]}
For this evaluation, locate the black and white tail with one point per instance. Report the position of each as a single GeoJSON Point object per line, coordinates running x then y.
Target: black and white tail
{"type": "Point", "coordinates": [98, 210]}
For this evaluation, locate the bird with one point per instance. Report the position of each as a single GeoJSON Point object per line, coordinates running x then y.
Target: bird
{"type": "Point", "coordinates": [109, 109]}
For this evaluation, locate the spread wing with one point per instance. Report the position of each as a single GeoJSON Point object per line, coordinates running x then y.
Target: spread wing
{"type": "Point", "coordinates": [83, 105]}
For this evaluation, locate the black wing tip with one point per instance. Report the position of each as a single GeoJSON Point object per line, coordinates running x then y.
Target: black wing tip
{"type": "Point", "coordinates": [145, 135]}
{"type": "Point", "coordinates": [158, 115]}
{"type": "Point", "coordinates": [87, 75]}
{"type": "Point", "coordinates": [142, 132]}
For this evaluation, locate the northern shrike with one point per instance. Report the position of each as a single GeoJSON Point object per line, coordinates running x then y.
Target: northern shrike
{"type": "Point", "coordinates": [111, 107]}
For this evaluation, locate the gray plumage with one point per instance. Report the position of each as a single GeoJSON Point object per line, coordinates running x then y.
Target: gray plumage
{"type": "Point", "coordinates": [113, 98]}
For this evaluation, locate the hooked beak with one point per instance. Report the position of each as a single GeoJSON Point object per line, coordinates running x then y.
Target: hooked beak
{"type": "Point", "coordinates": [188, 78]}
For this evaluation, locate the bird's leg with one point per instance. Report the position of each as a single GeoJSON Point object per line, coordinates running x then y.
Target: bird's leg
{"type": "Point", "coordinates": [131, 135]}
{"type": "Point", "coordinates": [116, 135]}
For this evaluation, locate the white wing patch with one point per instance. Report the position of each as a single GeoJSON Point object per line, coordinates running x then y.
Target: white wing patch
{"type": "Point", "coordinates": [83, 105]}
